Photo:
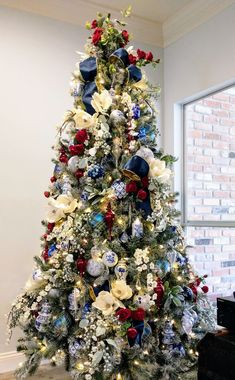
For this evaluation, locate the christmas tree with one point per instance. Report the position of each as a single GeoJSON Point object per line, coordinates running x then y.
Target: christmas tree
{"type": "Point", "coordinates": [112, 295]}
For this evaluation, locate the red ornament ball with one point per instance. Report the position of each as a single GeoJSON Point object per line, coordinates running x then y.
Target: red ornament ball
{"type": "Point", "coordinates": [77, 150]}
{"type": "Point", "coordinates": [123, 314]}
{"type": "Point", "coordinates": [131, 187]}
{"type": "Point", "coordinates": [47, 194]}
{"type": "Point", "coordinates": [205, 289]}
{"type": "Point", "coordinates": [142, 195]}
{"type": "Point", "coordinates": [132, 333]}
{"type": "Point", "coordinates": [138, 315]}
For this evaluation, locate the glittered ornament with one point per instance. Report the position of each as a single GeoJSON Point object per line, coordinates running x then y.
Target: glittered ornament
{"type": "Point", "coordinates": [168, 334]}
{"type": "Point", "coordinates": [109, 219]}
{"type": "Point", "coordinates": [119, 188]}
{"type": "Point", "coordinates": [96, 219]}
{"type": "Point", "coordinates": [81, 264]}
{"type": "Point", "coordinates": [163, 266]}
{"type": "Point", "coordinates": [143, 301]}
{"type": "Point", "coordinates": [110, 258]}
{"type": "Point", "coordinates": [58, 170]}
{"type": "Point", "coordinates": [51, 250]}
{"type": "Point", "coordinates": [121, 270]}
{"type": "Point", "coordinates": [187, 322]}
{"type": "Point", "coordinates": [95, 267]}
{"type": "Point", "coordinates": [136, 112]}
{"type": "Point", "coordinates": [146, 153]}
{"type": "Point", "coordinates": [65, 132]}
{"type": "Point", "coordinates": [117, 118]}
{"type": "Point", "coordinates": [73, 299]}
{"type": "Point", "coordinates": [61, 325]}
{"type": "Point", "coordinates": [43, 319]}
{"type": "Point", "coordinates": [159, 290]}
{"type": "Point", "coordinates": [137, 228]}
{"type": "Point", "coordinates": [178, 350]}
{"type": "Point", "coordinates": [37, 275]}
{"type": "Point", "coordinates": [124, 237]}
{"type": "Point", "coordinates": [54, 293]}
{"type": "Point", "coordinates": [187, 293]}
{"type": "Point", "coordinates": [96, 171]}
{"type": "Point", "coordinates": [75, 346]}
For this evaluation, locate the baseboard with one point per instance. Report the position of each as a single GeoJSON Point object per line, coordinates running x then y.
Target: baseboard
{"type": "Point", "coordinates": [10, 360]}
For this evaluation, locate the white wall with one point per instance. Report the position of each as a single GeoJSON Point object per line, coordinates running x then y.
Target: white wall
{"type": "Point", "coordinates": [37, 57]}
{"type": "Point", "coordinates": [201, 61]}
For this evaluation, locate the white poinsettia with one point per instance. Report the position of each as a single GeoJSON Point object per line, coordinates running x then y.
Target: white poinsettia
{"type": "Point", "coordinates": [121, 290]}
{"type": "Point", "coordinates": [64, 204]}
{"type": "Point", "coordinates": [159, 170]}
{"type": "Point", "coordinates": [106, 303]}
{"type": "Point", "coordinates": [101, 102]}
{"type": "Point", "coordinates": [83, 119]}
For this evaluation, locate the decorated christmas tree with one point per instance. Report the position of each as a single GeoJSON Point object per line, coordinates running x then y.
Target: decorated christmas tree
{"type": "Point", "coordinates": [112, 295]}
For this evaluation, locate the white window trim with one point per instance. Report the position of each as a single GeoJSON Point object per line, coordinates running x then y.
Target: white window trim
{"type": "Point", "coordinates": [180, 140]}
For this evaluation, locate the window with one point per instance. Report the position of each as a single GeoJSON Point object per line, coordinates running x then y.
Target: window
{"type": "Point", "coordinates": [209, 188]}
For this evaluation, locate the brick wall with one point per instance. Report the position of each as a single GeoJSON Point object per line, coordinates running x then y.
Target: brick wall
{"type": "Point", "coordinates": [210, 157]}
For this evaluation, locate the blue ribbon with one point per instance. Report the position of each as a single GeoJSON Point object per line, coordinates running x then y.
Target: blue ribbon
{"type": "Point", "coordinates": [88, 70]}
{"type": "Point", "coordinates": [139, 326]}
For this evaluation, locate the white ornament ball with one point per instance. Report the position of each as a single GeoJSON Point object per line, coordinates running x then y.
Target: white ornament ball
{"type": "Point", "coordinates": [110, 258]}
{"type": "Point", "coordinates": [37, 275]}
{"type": "Point", "coordinates": [145, 153]}
{"type": "Point", "coordinates": [73, 164]}
{"type": "Point", "coordinates": [95, 267]}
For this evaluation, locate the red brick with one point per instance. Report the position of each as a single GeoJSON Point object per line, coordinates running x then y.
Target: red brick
{"type": "Point", "coordinates": [197, 134]}
{"type": "Point", "coordinates": [211, 119]}
{"type": "Point", "coordinates": [221, 178]}
{"type": "Point", "coordinates": [202, 109]}
{"type": "Point", "coordinates": [202, 126]}
{"type": "Point", "coordinates": [211, 136]}
{"type": "Point", "coordinates": [228, 106]}
{"type": "Point", "coordinates": [203, 142]}
{"type": "Point", "coordinates": [211, 202]}
{"type": "Point", "coordinates": [221, 194]}
{"type": "Point", "coordinates": [211, 103]}
{"type": "Point", "coordinates": [203, 159]}
{"type": "Point", "coordinates": [221, 113]}
{"type": "Point", "coordinates": [203, 193]}
{"type": "Point", "coordinates": [220, 145]}
{"type": "Point", "coordinates": [202, 210]}
{"type": "Point", "coordinates": [228, 122]}
{"type": "Point", "coordinates": [221, 96]}
{"type": "Point", "coordinates": [221, 272]}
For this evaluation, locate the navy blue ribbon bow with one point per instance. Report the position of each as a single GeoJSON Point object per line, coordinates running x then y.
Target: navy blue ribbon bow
{"type": "Point", "coordinates": [88, 70]}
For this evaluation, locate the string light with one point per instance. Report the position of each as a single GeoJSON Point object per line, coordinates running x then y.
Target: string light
{"type": "Point", "coordinates": [80, 366]}
{"type": "Point", "coordinates": [136, 362]}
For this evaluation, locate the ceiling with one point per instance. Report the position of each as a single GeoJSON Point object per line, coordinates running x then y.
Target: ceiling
{"type": "Point", "coordinates": [156, 22]}
{"type": "Point", "coordinates": [154, 10]}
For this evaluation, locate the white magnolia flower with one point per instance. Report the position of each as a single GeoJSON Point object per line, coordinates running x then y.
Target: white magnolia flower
{"type": "Point", "coordinates": [92, 152]}
{"type": "Point", "coordinates": [64, 204]}
{"type": "Point", "coordinates": [159, 171]}
{"type": "Point", "coordinates": [107, 303]}
{"type": "Point", "coordinates": [121, 290]}
{"type": "Point", "coordinates": [83, 119]}
{"type": "Point", "coordinates": [101, 102]}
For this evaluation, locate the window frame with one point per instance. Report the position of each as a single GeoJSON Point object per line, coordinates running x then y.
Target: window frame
{"type": "Point", "coordinates": [184, 192]}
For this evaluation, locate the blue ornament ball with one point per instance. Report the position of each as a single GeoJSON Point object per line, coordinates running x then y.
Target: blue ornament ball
{"type": "Point", "coordinates": [187, 293]}
{"type": "Point", "coordinates": [96, 171]}
{"type": "Point", "coordinates": [163, 265]}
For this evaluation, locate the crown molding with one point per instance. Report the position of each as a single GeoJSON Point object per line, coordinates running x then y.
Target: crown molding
{"type": "Point", "coordinates": [77, 12]}
{"type": "Point", "coordinates": [190, 17]}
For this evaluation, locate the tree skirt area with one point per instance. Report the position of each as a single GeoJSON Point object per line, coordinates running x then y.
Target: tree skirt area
{"type": "Point", "coordinates": [58, 373]}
